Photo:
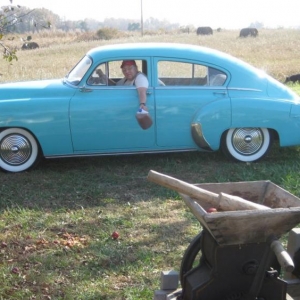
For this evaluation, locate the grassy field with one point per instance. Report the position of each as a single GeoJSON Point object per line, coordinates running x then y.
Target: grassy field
{"type": "Point", "coordinates": [275, 51]}
{"type": "Point", "coordinates": [56, 221]}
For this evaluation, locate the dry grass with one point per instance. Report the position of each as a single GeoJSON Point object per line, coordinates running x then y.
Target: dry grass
{"type": "Point", "coordinates": [275, 51]}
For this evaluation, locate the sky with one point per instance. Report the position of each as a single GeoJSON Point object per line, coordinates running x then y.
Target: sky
{"type": "Point", "coordinates": [229, 14]}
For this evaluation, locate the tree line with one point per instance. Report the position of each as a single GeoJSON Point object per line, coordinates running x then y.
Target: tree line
{"type": "Point", "coordinates": [16, 19]}
{"type": "Point", "coordinates": [30, 20]}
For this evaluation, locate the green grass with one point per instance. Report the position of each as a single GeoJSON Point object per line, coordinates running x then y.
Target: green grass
{"type": "Point", "coordinates": [56, 221]}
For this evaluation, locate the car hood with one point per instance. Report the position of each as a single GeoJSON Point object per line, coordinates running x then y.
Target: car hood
{"type": "Point", "coordinates": [41, 89]}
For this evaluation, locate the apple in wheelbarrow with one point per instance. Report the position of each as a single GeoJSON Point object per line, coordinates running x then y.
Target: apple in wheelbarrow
{"type": "Point", "coordinates": [212, 210]}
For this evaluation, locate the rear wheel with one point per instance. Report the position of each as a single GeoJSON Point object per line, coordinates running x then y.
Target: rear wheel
{"type": "Point", "coordinates": [246, 144]}
{"type": "Point", "coordinates": [19, 150]}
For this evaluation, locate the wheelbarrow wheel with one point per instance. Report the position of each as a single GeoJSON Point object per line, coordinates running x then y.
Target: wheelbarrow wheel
{"type": "Point", "coordinates": [190, 258]}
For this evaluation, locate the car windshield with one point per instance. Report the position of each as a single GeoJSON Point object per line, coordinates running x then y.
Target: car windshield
{"type": "Point", "coordinates": [76, 74]}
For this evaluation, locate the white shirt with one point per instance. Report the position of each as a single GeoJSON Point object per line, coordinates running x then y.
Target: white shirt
{"type": "Point", "coordinates": [139, 81]}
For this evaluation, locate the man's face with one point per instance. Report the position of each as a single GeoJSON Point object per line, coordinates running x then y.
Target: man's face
{"type": "Point", "coordinates": [129, 72]}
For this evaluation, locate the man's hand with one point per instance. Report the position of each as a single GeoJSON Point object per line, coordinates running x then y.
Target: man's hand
{"type": "Point", "coordinates": [144, 107]}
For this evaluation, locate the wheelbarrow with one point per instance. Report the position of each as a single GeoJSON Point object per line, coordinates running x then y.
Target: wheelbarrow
{"type": "Point", "coordinates": [237, 256]}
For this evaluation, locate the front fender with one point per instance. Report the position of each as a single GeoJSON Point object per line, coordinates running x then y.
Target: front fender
{"type": "Point", "coordinates": [210, 122]}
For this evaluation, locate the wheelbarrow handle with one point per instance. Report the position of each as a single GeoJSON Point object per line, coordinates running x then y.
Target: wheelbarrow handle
{"type": "Point", "coordinates": [283, 257]}
{"type": "Point", "coordinates": [220, 201]}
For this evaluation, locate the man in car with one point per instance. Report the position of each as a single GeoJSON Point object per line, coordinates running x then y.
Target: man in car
{"type": "Point", "coordinates": [132, 76]}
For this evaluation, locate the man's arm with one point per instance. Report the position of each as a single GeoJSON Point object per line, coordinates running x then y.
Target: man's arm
{"type": "Point", "coordinates": [142, 97]}
{"type": "Point", "coordinates": [141, 83]}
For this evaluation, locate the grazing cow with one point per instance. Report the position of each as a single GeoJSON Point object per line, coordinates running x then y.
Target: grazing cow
{"type": "Point", "coordinates": [248, 32]}
{"type": "Point", "coordinates": [30, 45]}
{"type": "Point", "coordinates": [293, 78]}
{"type": "Point", "coordinates": [204, 31]}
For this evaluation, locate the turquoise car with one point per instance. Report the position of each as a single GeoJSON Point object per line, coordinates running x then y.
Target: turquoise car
{"type": "Point", "coordinates": [199, 99]}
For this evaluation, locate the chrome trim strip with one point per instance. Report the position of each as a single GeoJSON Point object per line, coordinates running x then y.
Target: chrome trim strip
{"type": "Point", "coordinates": [121, 153]}
{"type": "Point", "coordinates": [243, 89]}
{"type": "Point", "coordinates": [201, 87]}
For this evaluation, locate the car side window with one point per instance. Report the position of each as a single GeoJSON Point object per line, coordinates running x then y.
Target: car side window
{"type": "Point", "coordinates": [172, 73]}
{"type": "Point", "coordinates": [99, 76]}
{"type": "Point", "coordinates": [109, 73]}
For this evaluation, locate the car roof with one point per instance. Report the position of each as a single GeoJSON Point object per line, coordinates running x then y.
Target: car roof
{"type": "Point", "coordinates": [176, 51]}
{"type": "Point", "coordinates": [154, 49]}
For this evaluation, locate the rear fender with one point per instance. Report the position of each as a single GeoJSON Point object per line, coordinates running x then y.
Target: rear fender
{"type": "Point", "coordinates": [210, 122]}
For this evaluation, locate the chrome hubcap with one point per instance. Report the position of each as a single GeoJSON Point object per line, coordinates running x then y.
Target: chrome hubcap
{"type": "Point", "coordinates": [15, 149]}
{"type": "Point", "coordinates": [247, 141]}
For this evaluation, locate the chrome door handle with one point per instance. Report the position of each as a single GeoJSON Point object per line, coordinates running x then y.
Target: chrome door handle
{"type": "Point", "coordinates": [220, 93]}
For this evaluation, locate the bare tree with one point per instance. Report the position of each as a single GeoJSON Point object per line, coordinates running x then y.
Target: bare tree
{"type": "Point", "coordinates": [8, 20]}
{"type": "Point", "coordinates": [10, 17]}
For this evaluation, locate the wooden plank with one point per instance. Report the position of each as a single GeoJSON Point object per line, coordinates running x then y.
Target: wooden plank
{"type": "Point", "coordinates": [277, 197]}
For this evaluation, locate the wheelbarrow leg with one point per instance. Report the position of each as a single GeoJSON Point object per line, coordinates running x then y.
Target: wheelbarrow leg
{"type": "Point", "coordinates": [259, 277]}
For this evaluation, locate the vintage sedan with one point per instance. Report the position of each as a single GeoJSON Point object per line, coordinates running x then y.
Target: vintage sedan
{"type": "Point", "coordinates": [199, 99]}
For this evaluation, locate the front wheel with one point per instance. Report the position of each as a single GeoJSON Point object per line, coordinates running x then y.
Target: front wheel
{"type": "Point", "coordinates": [19, 150]}
{"type": "Point", "coordinates": [246, 144]}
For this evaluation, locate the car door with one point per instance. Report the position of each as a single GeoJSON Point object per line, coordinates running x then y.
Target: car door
{"type": "Point", "coordinates": [183, 89]}
{"type": "Point", "coordinates": [102, 118]}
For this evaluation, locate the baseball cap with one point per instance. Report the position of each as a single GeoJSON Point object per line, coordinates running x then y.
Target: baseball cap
{"type": "Point", "coordinates": [128, 63]}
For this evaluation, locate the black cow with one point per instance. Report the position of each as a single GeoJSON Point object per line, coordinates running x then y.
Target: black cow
{"type": "Point", "coordinates": [204, 31]}
{"type": "Point", "coordinates": [30, 45]}
{"type": "Point", "coordinates": [293, 78]}
{"type": "Point", "coordinates": [248, 32]}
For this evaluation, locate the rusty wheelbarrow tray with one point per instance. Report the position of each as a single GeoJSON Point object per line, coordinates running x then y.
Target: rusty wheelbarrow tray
{"type": "Point", "coordinates": [249, 226]}
{"type": "Point", "coordinates": [248, 211]}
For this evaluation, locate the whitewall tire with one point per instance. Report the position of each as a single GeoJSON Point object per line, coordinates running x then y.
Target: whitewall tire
{"type": "Point", "coordinates": [246, 144]}
{"type": "Point", "coordinates": [19, 150]}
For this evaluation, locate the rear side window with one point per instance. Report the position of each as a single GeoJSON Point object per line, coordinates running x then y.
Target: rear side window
{"type": "Point", "coordinates": [171, 73]}
{"type": "Point", "coordinates": [216, 77]}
